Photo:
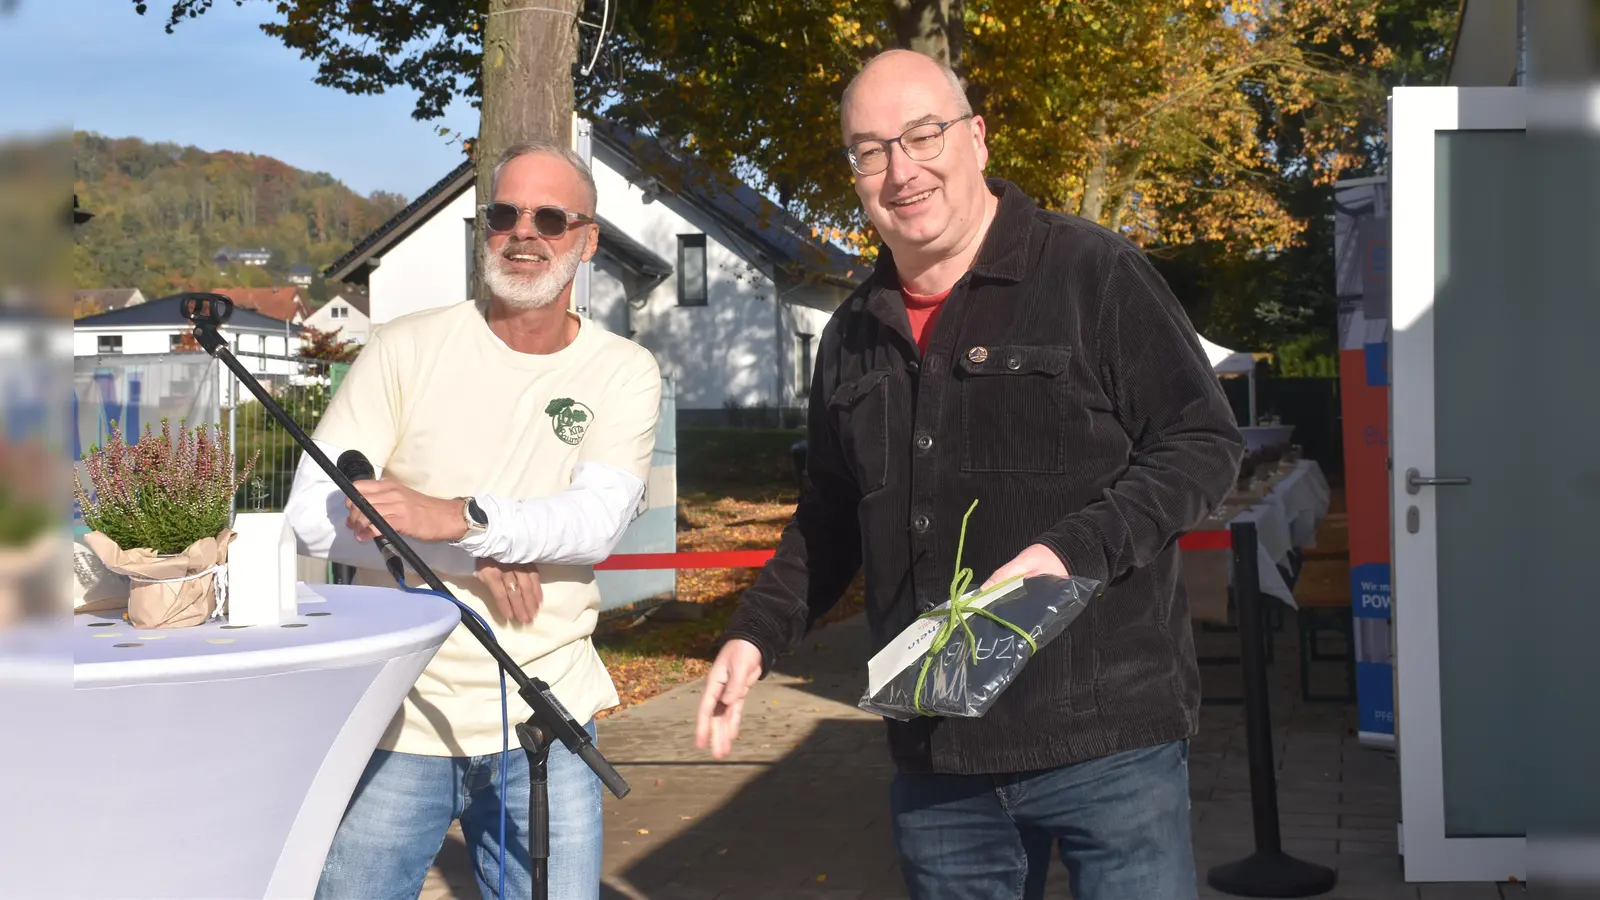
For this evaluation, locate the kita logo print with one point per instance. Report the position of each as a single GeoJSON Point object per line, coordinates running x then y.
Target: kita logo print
{"type": "Point", "coordinates": [570, 419]}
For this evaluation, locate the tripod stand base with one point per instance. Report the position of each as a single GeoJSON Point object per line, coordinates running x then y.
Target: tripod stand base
{"type": "Point", "coordinates": [1272, 875]}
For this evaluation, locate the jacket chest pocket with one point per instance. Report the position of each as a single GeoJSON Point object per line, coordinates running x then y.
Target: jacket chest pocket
{"type": "Point", "coordinates": [1014, 409]}
{"type": "Point", "coordinates": [860, 410]}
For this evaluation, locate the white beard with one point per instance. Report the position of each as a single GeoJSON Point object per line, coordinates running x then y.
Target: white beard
{"type": "Point", "coordinates": [525, 292]}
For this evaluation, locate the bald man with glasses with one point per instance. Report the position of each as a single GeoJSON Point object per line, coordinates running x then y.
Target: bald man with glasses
{"type": "Point", "coordinates": [513, 440]}
{"type": "Point", "coordinates": [1035, 362]}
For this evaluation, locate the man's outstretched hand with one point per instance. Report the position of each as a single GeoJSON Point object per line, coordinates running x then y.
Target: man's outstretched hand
{"type": "Point", "coordinates": [1035, 560]}
{"type": "Point", "coordinates": [737, 667]}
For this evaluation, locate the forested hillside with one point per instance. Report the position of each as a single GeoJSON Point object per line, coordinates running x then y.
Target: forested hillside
{"type": "Point", "coordinates": [162, 212]}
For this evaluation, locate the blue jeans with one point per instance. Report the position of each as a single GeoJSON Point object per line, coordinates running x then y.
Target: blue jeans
{"type": "Point", "coordinates": [1122, 822]}
{"type": "Point", "coordinates": [404, 804]}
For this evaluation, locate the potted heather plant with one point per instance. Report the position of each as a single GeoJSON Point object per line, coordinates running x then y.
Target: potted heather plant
{"type": "Point", "coordinates": [160, 512]}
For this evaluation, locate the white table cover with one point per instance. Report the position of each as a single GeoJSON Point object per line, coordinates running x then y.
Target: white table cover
{"type": "Point", "coordinates": [1286, 520]}
{"type": "Point", "coordinates": [214, 762]}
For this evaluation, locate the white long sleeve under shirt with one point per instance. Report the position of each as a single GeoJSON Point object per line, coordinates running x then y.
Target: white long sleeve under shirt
{"type": "Point", "coordinates": [580, 526]}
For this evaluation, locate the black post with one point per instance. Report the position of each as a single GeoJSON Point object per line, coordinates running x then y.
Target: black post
{"type": "Point", "coordinates": [1268, 872]}
{"type": "Point", "coordinates": [536, 744]}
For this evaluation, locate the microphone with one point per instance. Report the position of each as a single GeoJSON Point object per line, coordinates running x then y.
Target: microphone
{"type": "Point", "coordinates": [354, 465]}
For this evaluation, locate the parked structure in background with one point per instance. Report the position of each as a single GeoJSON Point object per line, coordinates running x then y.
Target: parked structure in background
{"type": "Point", "coordinates": [225, 257]}
{"type": "Point", "coordinates": [301, 276]}
{"type": "Point", "coordinates": [346, 315]}
{"type": "Point", "coordinates": [725, 287]}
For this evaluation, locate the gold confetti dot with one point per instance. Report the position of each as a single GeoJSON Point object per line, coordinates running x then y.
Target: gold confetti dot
{"type": "Point", "coordinates": [644, 831]}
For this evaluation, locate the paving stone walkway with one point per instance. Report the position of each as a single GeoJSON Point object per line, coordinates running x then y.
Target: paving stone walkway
{"type": "Point", "coordinates": [800, 809]}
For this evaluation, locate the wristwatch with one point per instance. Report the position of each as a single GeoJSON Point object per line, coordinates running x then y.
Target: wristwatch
{"type": "Point", "coordinates": [477, 520]}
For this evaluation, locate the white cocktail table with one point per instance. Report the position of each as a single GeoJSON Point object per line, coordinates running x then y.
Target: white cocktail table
{"type": "Point", "coordinates": [224, 757]}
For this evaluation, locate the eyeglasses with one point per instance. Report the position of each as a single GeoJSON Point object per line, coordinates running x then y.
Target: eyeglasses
{"type": "Point", "coordinates": [549, 221]}
{"type": "Point", "coordinates": [920, 143]}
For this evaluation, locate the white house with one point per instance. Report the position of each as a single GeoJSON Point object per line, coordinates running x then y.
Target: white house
{"type": "Point", "coordinates": [726, 288]}
{"type": "Point", "coordinates": [156, 327]}
{"type": "Point", "coordinates": [345, 316]}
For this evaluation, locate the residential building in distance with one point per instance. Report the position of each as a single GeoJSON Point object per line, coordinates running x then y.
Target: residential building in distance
{"type": "Point", "coordinates": [157, 327]}
{"type": "Point", "coordinates": [258, 256]}
{"type": "Point", "coordinates": [345, 315]}
{"type": "Point", "coordinates": [287, 304]}
{"type": "Point", "coordinates": [725, 287]}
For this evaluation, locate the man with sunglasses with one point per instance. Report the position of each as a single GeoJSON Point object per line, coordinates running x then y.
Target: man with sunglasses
{"type": "Point", "coordinates": [514, 440]}
{"type": "Point", "coordinates": [1035, 362]}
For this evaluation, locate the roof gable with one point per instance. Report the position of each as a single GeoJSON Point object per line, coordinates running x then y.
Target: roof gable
{"type": "Point", "coordinates": [168, 311]}
{"type": "Point", "coordinates": [782, 238]}
{"type": "Point", "coordinates": [777, 234]}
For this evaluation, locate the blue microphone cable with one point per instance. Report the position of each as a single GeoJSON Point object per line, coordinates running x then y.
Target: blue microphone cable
{"type": "Point", "coordinates": [505, 716]}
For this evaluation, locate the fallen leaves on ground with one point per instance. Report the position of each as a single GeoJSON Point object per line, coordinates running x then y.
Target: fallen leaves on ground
{"type": "Point", "coordinates": [647, 656]}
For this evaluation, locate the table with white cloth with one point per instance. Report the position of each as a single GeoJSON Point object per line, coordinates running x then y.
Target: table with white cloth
{"type": "Point", "coordinates": [220, 759]}
{"type": "Point", "coordinates": [1286, 508]}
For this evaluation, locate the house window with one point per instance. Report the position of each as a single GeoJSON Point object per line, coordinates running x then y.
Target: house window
{"type": "Point", "coordinates": [691, 270]}
{"type": "Point", "coordinates": [110, 343]}
{"type": "Point", "coordinates": [173, 341]}
{"type": "Point", "coordinates": [805, 365]}
{"type": "Point", "coordinates": [338, 312]}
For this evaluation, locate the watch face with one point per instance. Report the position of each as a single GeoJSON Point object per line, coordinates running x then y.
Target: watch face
{"type": "Point", "coordinates": [476, 512]}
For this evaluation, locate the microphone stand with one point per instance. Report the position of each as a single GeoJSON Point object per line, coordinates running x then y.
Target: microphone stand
{"type": "Point", "coordinates": [549, 722]}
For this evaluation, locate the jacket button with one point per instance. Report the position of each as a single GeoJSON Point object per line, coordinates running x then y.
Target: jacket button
{"type": "Point", "coordinates": [912, 366]}
{"type": "Point", "coordinates": [924, 441]}
{"type": "Point", "coordinates": [921, 523]}
{"type": "Point", "coordinates": [1013, 363]}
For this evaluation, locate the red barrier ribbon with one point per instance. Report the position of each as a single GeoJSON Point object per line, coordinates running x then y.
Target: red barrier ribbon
{"type": "Point", "coordinates": [1219, 539]}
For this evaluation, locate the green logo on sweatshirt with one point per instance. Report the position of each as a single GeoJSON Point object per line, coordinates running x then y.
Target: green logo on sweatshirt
{"type": "Point", "coordinates": [570, 419]}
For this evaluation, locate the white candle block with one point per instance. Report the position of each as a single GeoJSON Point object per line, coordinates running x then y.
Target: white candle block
{"type": "Point", "coordinates": [261, 571]}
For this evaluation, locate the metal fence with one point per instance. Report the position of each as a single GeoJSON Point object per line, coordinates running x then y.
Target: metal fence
{"type": "Point", "coordinates": [192, 389]}
{"type": "Point", "coordinates": [303, 387]}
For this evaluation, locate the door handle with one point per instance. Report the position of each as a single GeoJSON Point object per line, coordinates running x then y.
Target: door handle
{"type": "Point", "coordinates": [1415, 482]}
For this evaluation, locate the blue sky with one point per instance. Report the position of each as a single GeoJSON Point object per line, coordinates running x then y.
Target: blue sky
{"type": "Point", "coordinates": [217, 83]}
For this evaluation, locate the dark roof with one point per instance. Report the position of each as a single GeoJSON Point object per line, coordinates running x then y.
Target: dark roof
{"type": "Point", "coordinates": [777, 234]}
{"type": "Point", "coordinates": [166, 311]}
{"type": "Point", "coordinates": [401, 223]}
{"type": "Point", "coordinates": [357, 299]}
{"type": "Point", "coordinates": [770, 230]}
{"type": "Point", "coordinates": [630, 252]}
{"type": "Point", "coordinates": [106, 298]}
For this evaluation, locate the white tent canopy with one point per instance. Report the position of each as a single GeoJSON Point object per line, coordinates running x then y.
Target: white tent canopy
{"type": "Point", "coordinates": [1229, 362]}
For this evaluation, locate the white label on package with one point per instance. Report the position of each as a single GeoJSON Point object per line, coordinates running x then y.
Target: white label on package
{"type": "Point", "coordinates": [912, 644]}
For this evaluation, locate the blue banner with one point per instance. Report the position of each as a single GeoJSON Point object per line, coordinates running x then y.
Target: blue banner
{"type": "Point", "coordinates": [1371, 599]}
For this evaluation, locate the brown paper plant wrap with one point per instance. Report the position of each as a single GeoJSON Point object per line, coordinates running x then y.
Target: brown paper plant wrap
{"type": "Point", "coordinates": [160, 514]}
{"type": "Point", "coordinates": [170, 591]}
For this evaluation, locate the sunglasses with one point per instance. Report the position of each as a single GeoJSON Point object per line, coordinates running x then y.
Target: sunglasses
{"type": "Point", "coordinates": [549, 221]}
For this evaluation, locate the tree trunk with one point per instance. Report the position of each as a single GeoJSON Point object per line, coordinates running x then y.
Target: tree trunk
{"type": "Point", "coordinates": [1093, 201]}
{"type": "Point", "coordinates": [933, 27]}
{"type": "Point", "coordinates": [528, 55]}
{"type": "Point", "coordinates": [1129, 175]}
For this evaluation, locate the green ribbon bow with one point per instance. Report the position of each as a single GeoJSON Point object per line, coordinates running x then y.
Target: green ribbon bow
{"type": "Point", "coordinates": [955, 618]}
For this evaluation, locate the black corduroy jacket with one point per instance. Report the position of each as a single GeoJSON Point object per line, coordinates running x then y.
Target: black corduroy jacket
{"type": "Point", "coordinates": [1064, 389]}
